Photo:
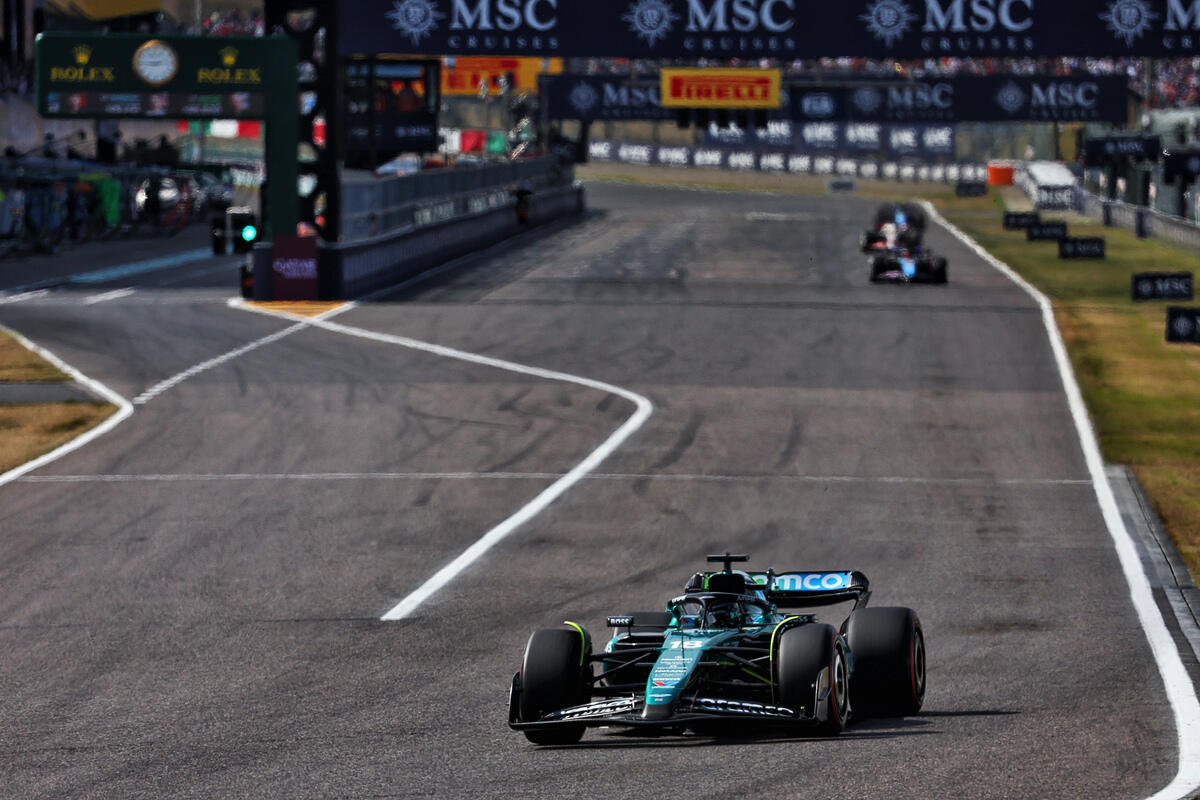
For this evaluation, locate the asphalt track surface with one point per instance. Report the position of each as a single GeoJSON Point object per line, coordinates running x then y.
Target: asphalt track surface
{"type": "Point", "coordinates": [189, 605]}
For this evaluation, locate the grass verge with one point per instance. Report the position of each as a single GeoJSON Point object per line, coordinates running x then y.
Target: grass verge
{"type": "Point", "coordinates": [1142, 394]}
{"type": "Point", "coordinates": [19, 364]}
{"type": "Point", "coordinates": [30, 430]}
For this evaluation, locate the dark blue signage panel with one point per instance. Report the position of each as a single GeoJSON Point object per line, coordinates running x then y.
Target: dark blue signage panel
{"type": "Point", "coordinates": [692, 29]}
{"type": "Point", "coordinates": [968, 98]}
{"type": "Point", "coordinates": [602, 97]}
{"type": "Point", "coordinates": [976, 98]}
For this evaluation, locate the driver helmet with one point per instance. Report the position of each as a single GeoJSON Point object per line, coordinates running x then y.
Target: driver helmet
{"type": "Point", "coordinates": [724, 614]}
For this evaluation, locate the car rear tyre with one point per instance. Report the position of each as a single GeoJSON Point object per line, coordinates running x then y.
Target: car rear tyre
{"type": "Point", "coordinates": [915, 215]}
{"type": "Point", "coordinates": [888, 647]}
{"type": "Point", "coordinates": [812, 672]}
{"type": "Point", "coordinates": [553, 677]}
{"type": "Point", "coordinates": [939, 270]}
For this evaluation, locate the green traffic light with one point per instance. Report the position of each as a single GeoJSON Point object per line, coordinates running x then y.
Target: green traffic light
{"type": "Point", "coordinates": [249, 233]}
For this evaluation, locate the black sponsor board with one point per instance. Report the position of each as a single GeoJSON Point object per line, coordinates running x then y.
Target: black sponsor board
{"type": "Point", "coordinates": [601, 97]}
{"type": "Point", "coordinates": [842, 185]}
{"type": "Point", "coordinates": [1055, 197]}
{"type": "Point", "coordinates": [988, 98]}
{"type": "Point", "coordinates": [1103, 150]}
{"type": "Point", "coordinates": [1181, 163]}
{"type": "Point", "coordinates": [1046, 232]}
{"type": "Point", "coordinates": [1162, 286]}
{"type": "Point", "coordinates": [1183, 324]}
{"type": "Point", "coordinates": [784, 29]}
{"type": "Point", "coordinates": [1081, 247]}
{"type": "Point", "coordinates": [1016, 220]}
{"type": "Point", "coordinates": [970, 189]}
{"type": "Point", "coordinates": [931, 107]}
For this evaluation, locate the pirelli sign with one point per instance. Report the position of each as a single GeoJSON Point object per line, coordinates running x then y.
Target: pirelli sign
{"type": "Point", "coordinates": [721, 88]}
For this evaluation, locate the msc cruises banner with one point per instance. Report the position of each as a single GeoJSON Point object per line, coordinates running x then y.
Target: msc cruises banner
{"type": "Point", "coordinates": [992, 98]}
{"type": "Point", "coordinates": [1016, 98]}
{"type": "Point", "coordinates": [690, 29]}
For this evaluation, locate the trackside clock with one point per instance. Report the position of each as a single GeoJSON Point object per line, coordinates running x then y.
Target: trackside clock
{"type": "Point", "coordinates": [156, 62]}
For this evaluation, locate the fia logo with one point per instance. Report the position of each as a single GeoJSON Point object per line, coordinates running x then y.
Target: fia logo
{"type": "Point", "coordinates": [651, 19]}
{"type": "Point", "coordinates": [415, 18]}
{"type": "Point", "coordinates": [1128, 19]}
{"type": "Point", "coordinates": [888, 20]}
{"type": "Point", "coordinates": [1010, 98]}
{"type": "Point", "coordinates": [583, 97]}
{"type": "Point", "coordinates": [819, 104]}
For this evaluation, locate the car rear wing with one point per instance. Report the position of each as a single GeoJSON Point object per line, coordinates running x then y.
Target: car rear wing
{"type": "Point", "coordinates": [802, 589]}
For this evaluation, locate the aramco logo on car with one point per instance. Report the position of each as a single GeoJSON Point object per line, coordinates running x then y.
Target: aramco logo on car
{"type": "Point", "coordinates": [811, 581]}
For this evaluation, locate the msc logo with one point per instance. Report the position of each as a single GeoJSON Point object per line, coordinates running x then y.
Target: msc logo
{"type": "Point", "coordinates": [1065, 94]}
{"type": "Point", "coordinates": [506, 15]}
{"type": "Point", "coordinates": [743, 16]}
{"type": "Point", "coordinates": [978, 16]}
{"type": "Point", "coordinates": [83, 54]}
{"type": "Point", "coordinates": [921, 96]}
{"type": "Point", "coordinates": [627, 97]}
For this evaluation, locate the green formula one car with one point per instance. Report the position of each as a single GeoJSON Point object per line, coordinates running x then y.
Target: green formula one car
{"type": "Point", "coordinates": [724, 654]}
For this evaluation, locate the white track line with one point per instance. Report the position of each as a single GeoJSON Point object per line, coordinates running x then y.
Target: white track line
{"type": "Point", "coordinates": [124, 410]}
{"type": "Point", "coordinates": [644, 408]}
{"type": "Point", "coordinates": [1181, 694]}
{"type": "Point", "coordinates": [104, 297]}
{"type": "Point", "coordinates": [21, 297]}
{"type": "Point", "coordinates": [526, 476]}
{"type": "Point", "coordinates": [204, 366]}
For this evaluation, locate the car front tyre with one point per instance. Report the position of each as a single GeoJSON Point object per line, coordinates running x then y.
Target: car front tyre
{"type": "Point", "coordinates": [813, 675]}
{"type": "Point", "coordinates": [553, 677]}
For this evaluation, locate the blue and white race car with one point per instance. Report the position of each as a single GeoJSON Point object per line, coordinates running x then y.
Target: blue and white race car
{"type": "Point", "coordinates": [896, 225]}
{"type": "Point", "coordinates": [724, 654]}
{"type": "Point", "coordinates": [908, 265]}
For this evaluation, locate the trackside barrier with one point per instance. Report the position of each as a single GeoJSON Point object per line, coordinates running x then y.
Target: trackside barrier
{"type": "Point", "coordinates": [351, 269]}
{"type": "Point", "coordinates": [374, 206]}
{"type": "Point", "coordinates": [760, 160]}
{"type": "Point", "coordinates": [1139, 220]}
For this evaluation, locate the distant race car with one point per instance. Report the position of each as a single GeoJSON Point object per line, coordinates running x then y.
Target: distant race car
{"type": "Point", "coordinates": [721, 656]}
{"type": "Point", "coordinates": [896, 225]}
{"type": "Point", "coordinates": [902, 265]}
